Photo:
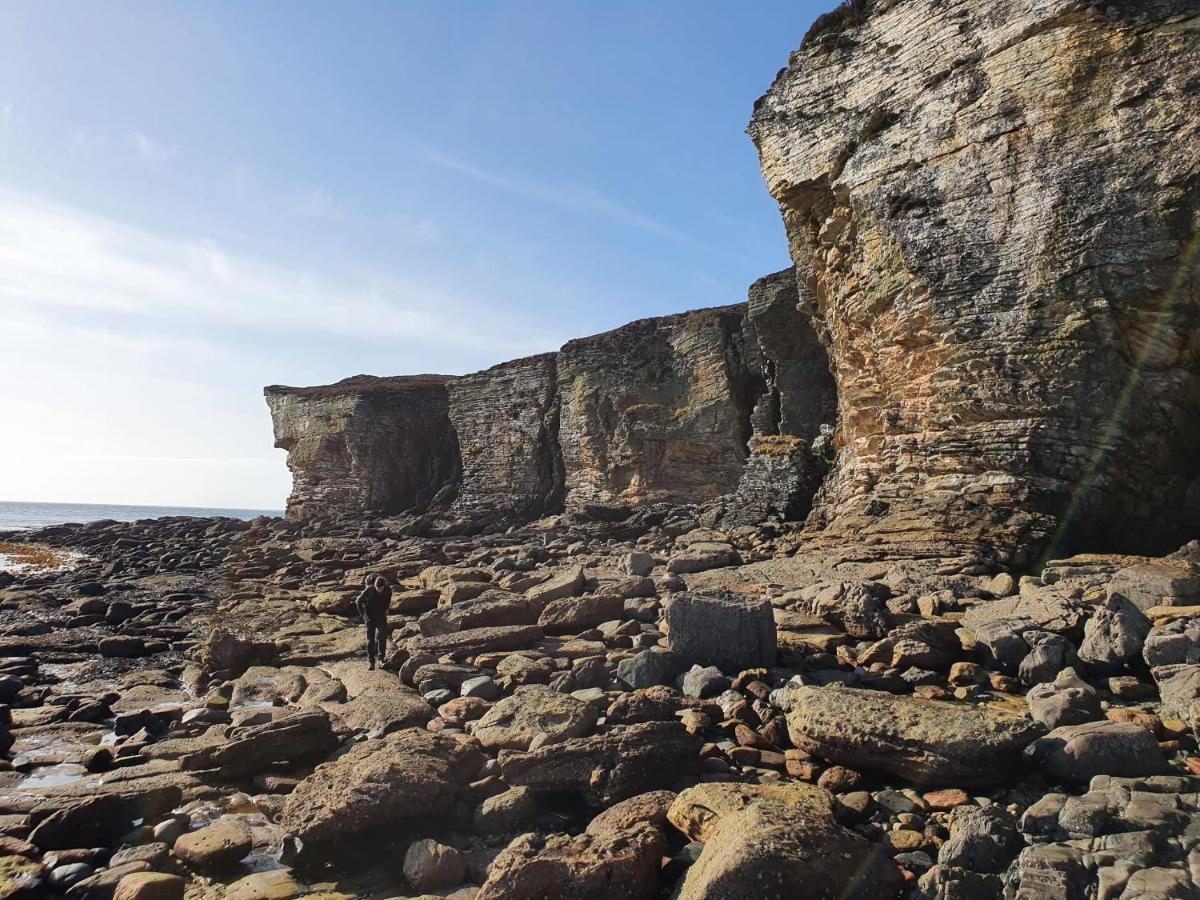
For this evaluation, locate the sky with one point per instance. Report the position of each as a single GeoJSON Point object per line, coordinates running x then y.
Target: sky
{"type": "Point", "coordinates": [200, 199]}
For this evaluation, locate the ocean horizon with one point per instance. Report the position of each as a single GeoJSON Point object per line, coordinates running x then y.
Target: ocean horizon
{"type": "Point", "coordinates": [26, 515]}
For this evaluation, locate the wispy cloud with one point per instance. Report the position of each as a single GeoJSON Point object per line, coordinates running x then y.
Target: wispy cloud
{"type": "Point", "coordinates": [577, 197]}
{"type": "Point", "coordinates": [56, 257]}
{"type": "Point", "coordinates": [152, 150]}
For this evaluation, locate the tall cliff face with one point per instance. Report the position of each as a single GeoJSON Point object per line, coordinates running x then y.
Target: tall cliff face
{"type": "Point", "coordinates": [657, 410]}
{"type": "Point", "coordinates": [993, 210]}
{"type": "Point", "coordinates": [365, 444]}
{"type": "Point", "coordinates": [506, 422]}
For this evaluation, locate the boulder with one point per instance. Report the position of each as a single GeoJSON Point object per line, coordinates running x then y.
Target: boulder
{"type": "Point", "coordinates": [722, 629]}
{"type": "Point", "coordinates": [1113, 635]}
{"type": "Point", "coordinates": [589, 866]}
{"type": "Point", "coordinates": [1068, 700]}
{"type": "Point", "coordinates": [410, 775]}
{"type": "Point", "coordinates": [636, 563]}
{"type": "Point", "coordinates": [571, 615]}
{"type": "Point", "coordinates": [492, 607]}
{"type": "Point", "coordinates": [569, 583]}
{"type": "Point", "coordinates": [928, 742]}
{"type": "Point", "coordinates": [1078, 753]}
{"type": "Point", "coordinates": [534, 711]}
{"type": "Point", "coordinates": [624, 761]}
{"type": "Point", "coordinates": [149, 886]}
{"type": "Point", "coordinates": [771, 842]}
{"type": "Point", "coordinates": [226, 652]}
{"type": "Point", "coordinates": [1173, 643]}
{"type": "Point", "coordinates": [430, 866]}
{"type": "Point", "coordinates": [1159, 582]}
{"type": "Point", "coordinates": [650, 667]}
{"type": "Point", "coordinates": [216, 847]}
{"type": "Point", "coordinates": [1179, 687]}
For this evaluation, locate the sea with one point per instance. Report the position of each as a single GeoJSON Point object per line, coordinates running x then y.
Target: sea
{"type": "Point", "coordinates": [14, 516]}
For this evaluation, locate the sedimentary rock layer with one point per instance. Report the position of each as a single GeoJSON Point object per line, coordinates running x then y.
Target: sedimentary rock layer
{"type": "Point", "coordinates": [365, 444]}
{"type": "Point", "coordinates": [657, 410]}
{"type": "Point", "coordinates": [660, 410]}
{"type": "Point", "coordinates": [993, 209]}
{"type": "Point", "coordinates": [506, 422]}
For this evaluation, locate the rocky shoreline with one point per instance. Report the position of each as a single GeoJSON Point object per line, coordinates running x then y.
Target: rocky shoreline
{"type": "Point", "coordinates": [881, 584]}
{"type": "Point", "coordinates": [629, 709]}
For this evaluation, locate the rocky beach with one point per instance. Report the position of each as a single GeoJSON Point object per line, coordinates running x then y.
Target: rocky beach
{"type": "Point", "coordinates": [883, 582]}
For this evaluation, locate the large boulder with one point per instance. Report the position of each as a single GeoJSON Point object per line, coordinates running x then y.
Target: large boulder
{"type": "Point", "coordinates": [492, 607]}
{"type": "Point", "coordinates": [928, 742]}
{"type": "Point", "coordinates": [589, 866]}
{"type": "Point", "coordinates": [410, 775]}
{"type": "Point", "coordinates": [256, 748]}
{"type": "Point", "coordinates": [1078, 753]}
{"type": "Point", "coordinates": [1161, 582]}
{"type": "Point", "coordinates": [1113, 635]}
{"type": "Point", "coordinates": [534, 711]}
{"type": "Point", "coordinates": [776, 842]}
{"type": "Point", "coordinates": [607, 767]}
{"type": "Point", "coordinates": [722, 629]}
{"type": "Point", "coordinates": [1173, 643]}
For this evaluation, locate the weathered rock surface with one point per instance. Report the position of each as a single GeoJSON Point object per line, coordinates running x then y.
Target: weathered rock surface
{"type": "Point", "coordinates": [775, 842]}
{"type": "Point", "coordinates": [365, 443]}
{"type": "Point", "coordinates": [927, 742]}
{"type": "Point", "coordinates": [506, 422]}
{"type": "Point", "coordinates": [992, 245]}
{"type": "Point", "coordinates": [407, 775]}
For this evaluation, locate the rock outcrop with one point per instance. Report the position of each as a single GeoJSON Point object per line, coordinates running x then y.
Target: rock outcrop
{"type": "Point", "coordinates": [365, 444]}
{"type": "Point", "coordinates": [506, 422]}
{"type": "Point", "coordinates": [992, 211]}
{"type": "Point", "coordinates": [659, 410]}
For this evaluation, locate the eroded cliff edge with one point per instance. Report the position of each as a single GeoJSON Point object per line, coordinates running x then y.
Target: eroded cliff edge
{"type": "Point", "coordinates": [993, 211]}
{"type": "Point", "coordinates": [662, 410]}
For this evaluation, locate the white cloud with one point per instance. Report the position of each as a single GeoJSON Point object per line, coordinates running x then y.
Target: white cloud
{"type": "Point", "coordinates": [152, 151]}
{"type": "Point", "coordinates": [62, 258]}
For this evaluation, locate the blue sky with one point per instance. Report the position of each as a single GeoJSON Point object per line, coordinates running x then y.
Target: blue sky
{"type": "Point", "coordinates": [197, 199]}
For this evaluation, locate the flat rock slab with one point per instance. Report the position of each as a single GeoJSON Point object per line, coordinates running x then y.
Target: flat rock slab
{"type": "Point", "coordinates": [478, 640]}
{"type": "Point", "coordinates": [1079, 753]}
{"type": "Point", "coordinates": [927, 742]}
{"type": "Point", "coordinates": [298, 737]}
{"type": "Point", "coordinates": [534, 710]}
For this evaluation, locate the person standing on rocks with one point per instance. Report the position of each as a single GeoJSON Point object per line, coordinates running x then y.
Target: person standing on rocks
{"type": "Point", "coordinates": [373, 604]}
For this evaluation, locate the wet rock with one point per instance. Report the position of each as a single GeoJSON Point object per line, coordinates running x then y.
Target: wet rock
{"type": "Point", "coordinates": [725, 630]}
{"type": "Point", "coordinates": [534, 712]}
{"type": "Point", "coordinates": [607, 768]}
{"type": "Point", "coordinates": [929, 742]}
{"type": "Point", "coordinates": [215, 847]}
{"type": "Point", "coordinates": [764, 841]}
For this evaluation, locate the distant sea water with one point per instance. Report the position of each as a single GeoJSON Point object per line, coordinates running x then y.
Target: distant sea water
{"type": "Point", "coordinates": [38, 515]}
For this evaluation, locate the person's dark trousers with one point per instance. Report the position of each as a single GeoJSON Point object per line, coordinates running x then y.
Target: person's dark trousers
{"type": "Point", "coordinates": [377, 633]}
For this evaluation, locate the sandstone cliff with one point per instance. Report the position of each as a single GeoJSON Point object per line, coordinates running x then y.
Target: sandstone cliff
{"type": "Point", "coordinates": [366, 444]}
{"type": "Point", "coordinates": [992, 209]}
{"type": "Point", "coordinates": [506, 422]}
{"type": "Point", "coordinates": [659, 410]}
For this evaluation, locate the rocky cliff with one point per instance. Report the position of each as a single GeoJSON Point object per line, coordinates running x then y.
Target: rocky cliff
{"type": "Point", "coordinates": [365, 444]}
{"type": "Point", "coordinates": [992, 210]}
{"type": "Point", "coordinates": [506, 422]}
{"type": "Point", "coordinates": [659, 410]}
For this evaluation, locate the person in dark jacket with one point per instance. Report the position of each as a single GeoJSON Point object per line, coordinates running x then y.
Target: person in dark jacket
{"type": "Point", "coordinates": [373, 604]}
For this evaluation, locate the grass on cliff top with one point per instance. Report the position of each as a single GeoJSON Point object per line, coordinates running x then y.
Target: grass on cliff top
{"type": "Point", "coordinates": [30, 556]}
